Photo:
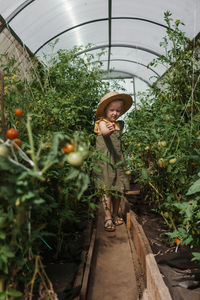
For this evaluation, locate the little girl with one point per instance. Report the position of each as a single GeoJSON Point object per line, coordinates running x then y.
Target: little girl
{"type": "Point", "coordinates": [112, 179]}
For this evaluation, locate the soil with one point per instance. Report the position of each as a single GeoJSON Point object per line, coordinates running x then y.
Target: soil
{"type": "Point", "coordinates": [181, 275]}
{"type": "Point", "coordinates": [62, 269]}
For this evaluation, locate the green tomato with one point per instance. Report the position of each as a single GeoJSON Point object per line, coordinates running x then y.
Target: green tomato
{"type": "Point", "coordinates": [172, 161]}
{"type": "Point", "coordinates": [84, 151]}
{"type": "Point", "coordinates": [4, 151]}
{"type": "Point", "coordinates": [163, 144]}
{"type": "Point", "coordinates": [166, 214]}
{"type": "Point", "coordinates": [128, 172]}
{"type": "Point", "coordinates": [162, 163]}
{"type": "Point", "coordinates": [75, 159]}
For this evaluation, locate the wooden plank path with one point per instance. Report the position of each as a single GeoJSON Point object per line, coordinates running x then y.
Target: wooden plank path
{"type": "Point", "coordinates": [120, 264]}
{"type": "Point", "coordinates": [112, 273]}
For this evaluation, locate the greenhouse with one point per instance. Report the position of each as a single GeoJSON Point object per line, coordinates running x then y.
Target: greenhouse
{"type": "Point", "coordinates": [99, 149]}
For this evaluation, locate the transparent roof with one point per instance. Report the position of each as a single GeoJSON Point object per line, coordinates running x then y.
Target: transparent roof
{"type": "Point", "coordinates": [130, 31]}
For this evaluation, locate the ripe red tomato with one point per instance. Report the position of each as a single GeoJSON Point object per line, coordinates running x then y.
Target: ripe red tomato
{"type": "Point", "coordinates": [12, 133]}
{"type": "Point", "coordinates": [178, 242]}
{"type": "Point", "coordinates": [18, 142]}
{"type": "Point", "coordinates": [68, 148]}
{"type": "Point", "coordinates": [18, 112]}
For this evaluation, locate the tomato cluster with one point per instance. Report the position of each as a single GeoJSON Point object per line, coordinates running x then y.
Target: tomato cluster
{"type": "Point", "coordinates": [75, 156]}
{"type": "Point", "coordinates": [13, 133]}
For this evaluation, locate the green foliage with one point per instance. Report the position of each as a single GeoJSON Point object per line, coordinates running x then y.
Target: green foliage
{"type": "Point", "coordinates": [196, 256]}
{"type": "Point", "coordinates": [195, 188]}
{"type": "Point", "coordinates": [45, 202]}
{"type": "Point", "coordinates": [162, 139]}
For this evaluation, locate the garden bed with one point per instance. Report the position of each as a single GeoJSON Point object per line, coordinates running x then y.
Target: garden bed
{"type": "Point", "coordinates": [65, 275]}
{"type": "Point", "coordinates": [181, 275]}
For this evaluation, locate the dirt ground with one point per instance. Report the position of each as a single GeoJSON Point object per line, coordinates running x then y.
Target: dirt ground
{"type": "Point", "coordinates": [181, 275]}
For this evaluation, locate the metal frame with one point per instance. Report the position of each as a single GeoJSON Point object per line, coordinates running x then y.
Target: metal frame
{"type": "Point", "coordinates": [109, 45]}
{"type": "Point", "coordinates": [131, 75]}
{"type": "Point", "coordinates": [109, 32]}
{"type": "Point", "coordinates": [121, 45]}
{"type": "Point", "coordinates": [99, 20]}
{"type": "Point", "coordinates": [134, 62]}
{"type": "Point", "coordinates": [134, 92]}
{"type": "Point", "coordinates": [109, 19]}
{"type": "Point", "coordinates": [18, 10]}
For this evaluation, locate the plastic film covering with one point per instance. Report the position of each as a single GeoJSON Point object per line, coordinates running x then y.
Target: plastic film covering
{"type": "Point", "coordinates": [153, 10]}
{"type": "Point", "coordinates": [96, 35]}
{"type": "Point", "coordinates": [9, 6]}
{"type": "Point", "coordinates": [43, 22]}
{"type": "Point", "coordinates": [136, 56]}
{"type": "Point", "coordinates": [138, 70]}
{"type": "Point", "coordinates": [138, 34]}
{"type": "Point", "coordinates": [130, 31]}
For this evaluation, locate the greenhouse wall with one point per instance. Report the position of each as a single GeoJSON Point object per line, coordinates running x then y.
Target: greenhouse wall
{"type": "Point", "coordinates": [11, 46]}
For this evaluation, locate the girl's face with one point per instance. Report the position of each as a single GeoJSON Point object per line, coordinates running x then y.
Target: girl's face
{"type": "Point", "coordinates": [114, 110]}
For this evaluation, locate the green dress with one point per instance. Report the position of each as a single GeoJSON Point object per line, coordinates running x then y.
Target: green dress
{"type": "Point", "coordinates": [112, 175]}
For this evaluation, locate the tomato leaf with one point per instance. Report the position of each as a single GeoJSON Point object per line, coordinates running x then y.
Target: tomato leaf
{"type": "Point", "coordinates": [144, 173]}
{"type": "Point", "coordinates": [2, 235]}
{"type": "Point", "coordinates": [195, 188]}
{"type": "Point", "coordinates": [196, 256]}
{"type": "Point", "coordinates": [14, 293]}
{"type": "Point", "coordinates": [73, 174]}
{"type": "Point", "coordinates": [98, 170]}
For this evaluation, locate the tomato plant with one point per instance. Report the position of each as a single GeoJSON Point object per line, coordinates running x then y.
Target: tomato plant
{"type": "Point", "coordinates": [46, 200]}
{"type": "Point", "coordinates": [163, 137]}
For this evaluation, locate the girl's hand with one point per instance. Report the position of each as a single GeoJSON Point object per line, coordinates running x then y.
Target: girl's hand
{"type": "Point", "coordinates": [106, 128]}
{"type": "Point", "coordinates": [110, 126]}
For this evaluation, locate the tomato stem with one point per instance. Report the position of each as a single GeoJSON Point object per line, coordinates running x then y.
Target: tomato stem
{"type": "Point", "coordinates": [39, 270]}
{"type": "Point", "coordinates": [2, 284]}
{"type": "Point", "coordinates": [155, 189]}
{"type": "Point", "coordinates": [47, 167]}
{"type": "Point", "coordinates": [30, 137]}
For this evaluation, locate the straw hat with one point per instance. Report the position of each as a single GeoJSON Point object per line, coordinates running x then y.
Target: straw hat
{"type": "Point", "coordinates": [127, 99]}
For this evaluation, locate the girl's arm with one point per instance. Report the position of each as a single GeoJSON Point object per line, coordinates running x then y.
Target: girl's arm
{"type": "Point", "coordinates": [106, 128]}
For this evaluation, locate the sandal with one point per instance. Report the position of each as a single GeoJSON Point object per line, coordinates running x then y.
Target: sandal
{"type": "Point", "coordinates": [108, 225]}
{"type": "Point", "coordinates": [118, 221]}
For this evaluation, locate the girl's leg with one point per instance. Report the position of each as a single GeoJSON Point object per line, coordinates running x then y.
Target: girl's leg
{"type": "Point", "coordinates": [116, 203]}
{"type": "Point", "coordinates": [106, 202]}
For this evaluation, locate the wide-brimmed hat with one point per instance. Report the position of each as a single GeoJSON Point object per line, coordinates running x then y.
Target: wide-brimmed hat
{"type": "Point", "coordinates": [112, 96]}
